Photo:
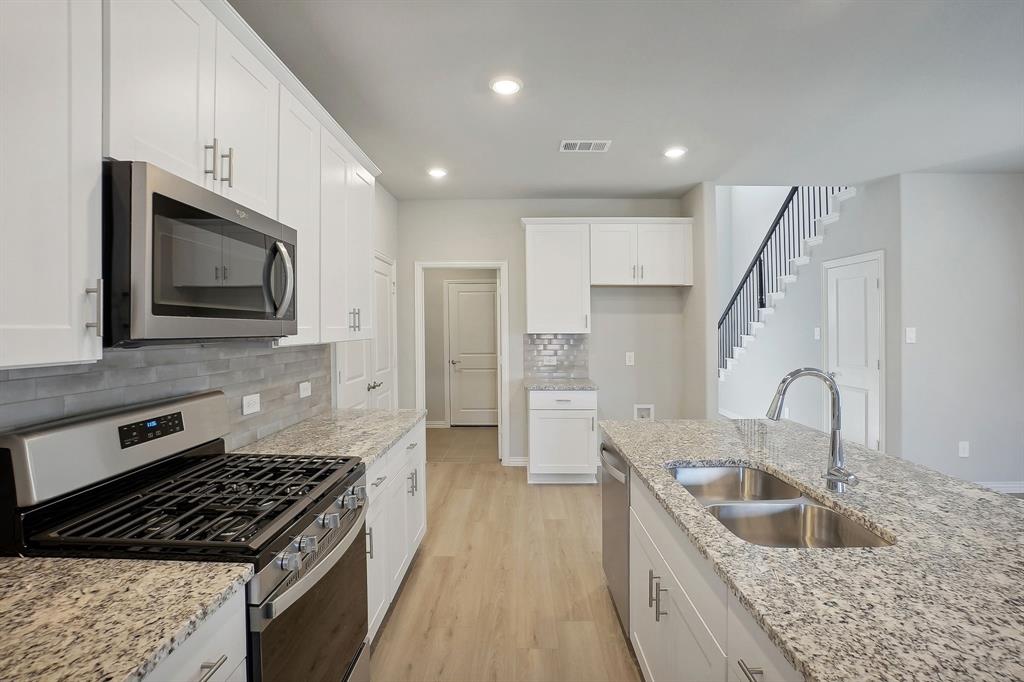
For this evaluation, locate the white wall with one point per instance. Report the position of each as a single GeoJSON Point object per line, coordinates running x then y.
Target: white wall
{"type": "Point", "coordinates": [699, 349]}
{"type": "Point", "coordinates": [488, 230]}
{"type": "Point", "coordinates": [433, 328]}
{"type": "Point", "coordinates": [963, 289]}
{"type": "Point", "coordinates": [750, 212]}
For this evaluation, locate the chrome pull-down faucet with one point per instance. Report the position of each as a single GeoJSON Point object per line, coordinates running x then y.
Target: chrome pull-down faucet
{"type": "Point", "coordinates": [836, 476]}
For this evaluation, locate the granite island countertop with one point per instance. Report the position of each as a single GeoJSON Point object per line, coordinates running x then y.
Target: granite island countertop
{"type": "Point", "coordinates": [103, 619]}
{"type": "Point", "coordinates": [365, 433]}
{"type": "Point", "coordinates": [945, 602]}
{"type": "Point", "coordinates": [548, 384]}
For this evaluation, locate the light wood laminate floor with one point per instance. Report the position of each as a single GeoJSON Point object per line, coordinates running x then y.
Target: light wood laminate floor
{"type": "Point", "coordinates": [507, 584]}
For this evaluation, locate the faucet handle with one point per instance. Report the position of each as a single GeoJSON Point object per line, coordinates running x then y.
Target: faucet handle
{"type": "Point", "coordinates": [841, 475]}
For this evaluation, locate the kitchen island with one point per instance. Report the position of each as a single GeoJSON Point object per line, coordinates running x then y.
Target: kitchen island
{"type": "Point", "coordinates": [944, 601]}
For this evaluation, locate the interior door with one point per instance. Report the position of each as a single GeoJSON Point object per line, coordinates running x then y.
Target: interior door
{"type": "Point", "coordinates": [613, 254]}
{"type": "Point", "coordinates": [472, 353]}
{"type": "Point", "coordinates": [245, 122]}
{"type": "Point", "coordinates": [853, 345]}
{"type": "Point", "coordinates": [383, 344]}
{"type": "Point", "coordinates": [662, 254]}
{"type": "Point", "coordinates": [160, 75]}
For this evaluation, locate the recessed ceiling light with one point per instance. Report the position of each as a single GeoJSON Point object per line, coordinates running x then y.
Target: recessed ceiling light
{"type": "Point", "coordinates": [675, 152]}
{"type": "Point", "coordinates": [437, 172]}
{"type": "Point", "coordinates": [506, 86]}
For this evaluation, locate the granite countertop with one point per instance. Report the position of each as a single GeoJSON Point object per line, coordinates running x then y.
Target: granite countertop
{"type": "Point", "coordinates": [365, 433]}
{"type": "Point", "coordinates": [548, 384]}
{"type": "Point", "coordinates": [103, 619]}
{"type": "Point", "coordinates": [946, 601]}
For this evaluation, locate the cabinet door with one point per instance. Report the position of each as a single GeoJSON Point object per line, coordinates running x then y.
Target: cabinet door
{"type": "Point", "coordinates": [376, 568]}
{"type": "Point", "coordinates": [558, 279]}
{"type": "Point", "coordinates": [298, 207]}
{"type": "Point", "coordinates": [665, 254]}
{"type": "Point", "coordinates": [335, 320]}
{"type": "Point", "coordinates": [51, 128]}
{"type": "Point", "coordinates": [245, 122]}
{"type": "Point", "coordinates": [750, 647]}
{"type": "Point", "coordinates": [416, 512]}
{"type": "Point", "coordinates": [642, 633]}
{"type": "Point", "coordinates": [562, 441]}
{"type": "Point", "coordinates": [359, 249]}
{"type": "Point", "coordinates": [687, 652]}
{"type": "Point", "coordinates": [396, 535]}
{"type": "Point", "coordinates": [613, 254]}
{"type": "Point", "coordinates": [160, 78]}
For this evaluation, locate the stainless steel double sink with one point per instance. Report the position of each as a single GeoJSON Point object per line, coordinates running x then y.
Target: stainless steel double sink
{"type": "Point", "coordinates": [765, 510]}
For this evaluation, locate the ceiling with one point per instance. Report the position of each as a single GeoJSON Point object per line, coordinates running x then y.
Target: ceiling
{"type": "Point", "coordinates": [765, 93]}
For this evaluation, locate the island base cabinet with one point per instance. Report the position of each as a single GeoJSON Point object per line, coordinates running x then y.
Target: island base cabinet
{"type": "Point", "coordinates": [215, 652]}
{"type": "Point", "coordinates": [751, 653]}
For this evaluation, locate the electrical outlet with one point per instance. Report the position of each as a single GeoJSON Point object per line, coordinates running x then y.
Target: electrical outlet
{"type": "Point", "coordinates": [251, 404]}
{"type": "Point", "coordinates": [911, 334]}
{"type": "Point", "coordinates": [963, 448]}
{"type": "Point", "coordinates": [305, 389]}
{"type": "Point", "coordinates": [550, 361]}
{"type": "Point", "coordinates": [817, 333]}
{"type": "Point", "coordinates": [630, 358]}
{"type": "Point", "coordinates": [785, 413]}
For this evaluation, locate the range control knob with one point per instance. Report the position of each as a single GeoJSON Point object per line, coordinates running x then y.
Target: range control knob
{"type": "Point", "coordinates": [289, 561]}
{"type": "Point", "coordinates": [350, 501]}
{"type": "Point", "coordinates": [330, 520]}
{"type": "Point", "coordinates": [307, 543]}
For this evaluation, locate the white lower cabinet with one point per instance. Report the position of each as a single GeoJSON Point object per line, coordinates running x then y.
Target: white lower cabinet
{"type": "Point", "coordinates": [684, 625]}
{"type": "Point", "coordinates": [396, 522]}
{"type": "Point", "coordinates": [215, 652]}
{"type": "Point", "coordinates": [562, 436]}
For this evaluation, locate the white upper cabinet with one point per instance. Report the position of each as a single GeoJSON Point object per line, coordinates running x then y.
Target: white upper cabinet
{"type": "Point", "coordinates": [335, 319]}
{"type": "Point", "coordinates": [359, 251]}
{"type": "Point", "coordinates": [646, 253]}
{"type": "Point", "coordinates": [299, 208]}
{"type": "Point", "coordinates": [51, 124]}
{"type": "Point", "coordinates": [245, 124]}
{"type": "Point", "coordinates": [160, 71]}
{"type": "Point", "coordinates": [557, 278]}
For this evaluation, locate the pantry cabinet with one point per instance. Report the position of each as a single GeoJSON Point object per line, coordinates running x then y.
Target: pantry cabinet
{"type": "Point", "coordinates": [557, 278]}
{"type": "Point", "coordinates": [299, 208]}
{"type": "Point", "coordinates": [51, 109]}
{"type": "Point", "coordinates": [655, 252]}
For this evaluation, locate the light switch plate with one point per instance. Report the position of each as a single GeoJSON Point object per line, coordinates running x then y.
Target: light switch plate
{"type": "Point", "coordinates": [630, 358]}
{"type": "Point", "coordinates": [963, 448]}
{"type": "Point", "coordinates": [817, 333]}
{"type": "Point", "coordinates": [305, 389]}
{"type": "Point", "coordinates": [911, 334]}
{"type": "Point", "coordinates": [251, 403]}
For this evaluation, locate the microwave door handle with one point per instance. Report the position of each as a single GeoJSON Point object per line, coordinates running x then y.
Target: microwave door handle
{"type": "Point", "coordinates": [289, 272]}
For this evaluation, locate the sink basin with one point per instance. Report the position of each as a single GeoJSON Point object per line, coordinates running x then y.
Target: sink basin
{"type": "Point", "coordinates": [732, 483]}
{"type": "Point", "coordinates": [796, 524]}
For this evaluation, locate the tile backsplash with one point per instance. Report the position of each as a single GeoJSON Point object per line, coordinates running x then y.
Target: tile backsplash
{"type": "Point", "coordinates": [556, 356]}
{"type": "Point", "coordinates": [126, 377]}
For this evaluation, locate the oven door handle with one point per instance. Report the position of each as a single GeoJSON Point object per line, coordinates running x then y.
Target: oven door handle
{"type": "Point", "coordinates": [261, 616]}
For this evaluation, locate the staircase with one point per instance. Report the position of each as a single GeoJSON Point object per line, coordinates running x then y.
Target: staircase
{"type": "Point", "coordinates": [797, 228]}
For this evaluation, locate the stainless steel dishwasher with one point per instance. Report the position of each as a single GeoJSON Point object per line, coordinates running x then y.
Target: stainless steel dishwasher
{"type": "Point", "coordinates": [615, 529]}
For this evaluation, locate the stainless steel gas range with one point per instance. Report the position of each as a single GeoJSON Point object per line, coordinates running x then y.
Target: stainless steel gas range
{"type": "Point", "coordinates": [154, 482]}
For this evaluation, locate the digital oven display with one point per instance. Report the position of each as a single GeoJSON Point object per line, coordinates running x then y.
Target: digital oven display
{"type": "Point", "coordinates": [149, 429]}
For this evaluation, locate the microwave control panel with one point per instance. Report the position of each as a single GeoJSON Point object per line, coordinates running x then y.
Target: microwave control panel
{"type": "Point", "coordinates": [149, 429]}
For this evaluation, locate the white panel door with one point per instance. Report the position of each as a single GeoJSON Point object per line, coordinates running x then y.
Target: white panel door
{"type": "Point", "coordinates": [558, 279]}
{"type": "Point", "coordinates": [853, 346]}
{"type": "Point", "coordinates": [359, 250]}
{"type": "Point", "coordinates": [687, 651]}
{"type": "Point", "coordinates": [642, 632]}
{"type": "Point", "coordinates": [562, 441]}
{"type": "Point", "coordinates": [472, 315]}
{"type": "Point", "coordinates": [613, 254]}
{"type": "Point", "coordinates": [51, 126]}
{"type": "Point", "coordinates": [335, 320]}
{"type": "Point", "coordinates": [383, 345]}
{"type": "Point", "coordinates": [245, 122]}
{"type": "Point", "coordinates": [160, 79]}
{"type": "Point", "coordinates": [396, 536]}
{"type": "Point", "coordinates": [664, 254]}
{"type": "Point", "coordinates": [299, 208]}
{"type": "Point", "coordinates": [355, 368]}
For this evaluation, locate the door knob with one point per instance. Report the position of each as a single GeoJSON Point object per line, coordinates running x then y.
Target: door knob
{"type": "Point", "coordinates": [455, 362]}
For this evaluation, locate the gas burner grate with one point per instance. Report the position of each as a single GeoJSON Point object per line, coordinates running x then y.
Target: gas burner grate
{"type": "Point", "coordinates": [229, 501]}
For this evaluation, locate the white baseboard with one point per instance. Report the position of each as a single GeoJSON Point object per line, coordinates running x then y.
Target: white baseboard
{"type": "Point", "coordinates": [438, 425]}
{"type": "Point", "coordinates": [1003, 486]}
{"type": "Point", "coordinates": [515, 461]}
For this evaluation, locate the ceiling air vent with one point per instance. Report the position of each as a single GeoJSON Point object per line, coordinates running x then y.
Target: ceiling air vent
{"type": "Point", "coordinates": [589, 146]}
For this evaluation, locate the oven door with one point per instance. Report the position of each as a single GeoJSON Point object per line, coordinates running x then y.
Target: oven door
{"type": "Point", "coordinates": [314, 628]}
{"type": "Point", "coordinates": [203, 266]}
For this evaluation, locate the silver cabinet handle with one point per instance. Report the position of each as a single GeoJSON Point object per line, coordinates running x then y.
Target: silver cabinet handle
{"type": "Point", "coordinates": [416, 480]}
{"type": "Point", "coordinates": [752, 674]}
{"type": "Point", "coordinates": [377, 481]}
{"type": "Point", "coordinates": [586, 321]}
{"type": "Point", "coordinates": [634, 272]}
{"type": "Point", "coordinates": [369, 542]}
{"type": "Point", "coordinates": [658, 613]}
{"type": "Point", "coordinates": [412, 489]}
{"type": "Point", "coordinates": [230, 156]}
{"type": "Point", "coordinates": [224, 270]}
{"type": "Point", "coordinates": [563, 400]}
{"type": "Point", "coordinates": [358, 317]}
{"type": "Point", "coordinates": [650, 586]}
{"type": "Point", "coordinates": [98, 324]}
{"type": "Point", "coordinates": [641, 272]}
{"type": "Point", "coordinates": [215, 148]}
{"type": "Point", "coordinates": [352, 320]}
{"type": "Point", "coordinates": [411, 446]}
{"type": "Point", "coordinates": [208, 669]}
{"type": "Point", "coordinates": [592, 420]}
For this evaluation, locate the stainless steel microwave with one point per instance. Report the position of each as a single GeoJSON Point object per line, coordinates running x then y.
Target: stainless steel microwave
{"type": "Point", "coordinates": [182, 263]}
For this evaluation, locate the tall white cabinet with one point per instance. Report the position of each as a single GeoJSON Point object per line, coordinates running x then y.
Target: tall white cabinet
{"type": "Point", "coordinates": [51, 111]}
{"type": "Point", "coordinates": [557, 277]}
